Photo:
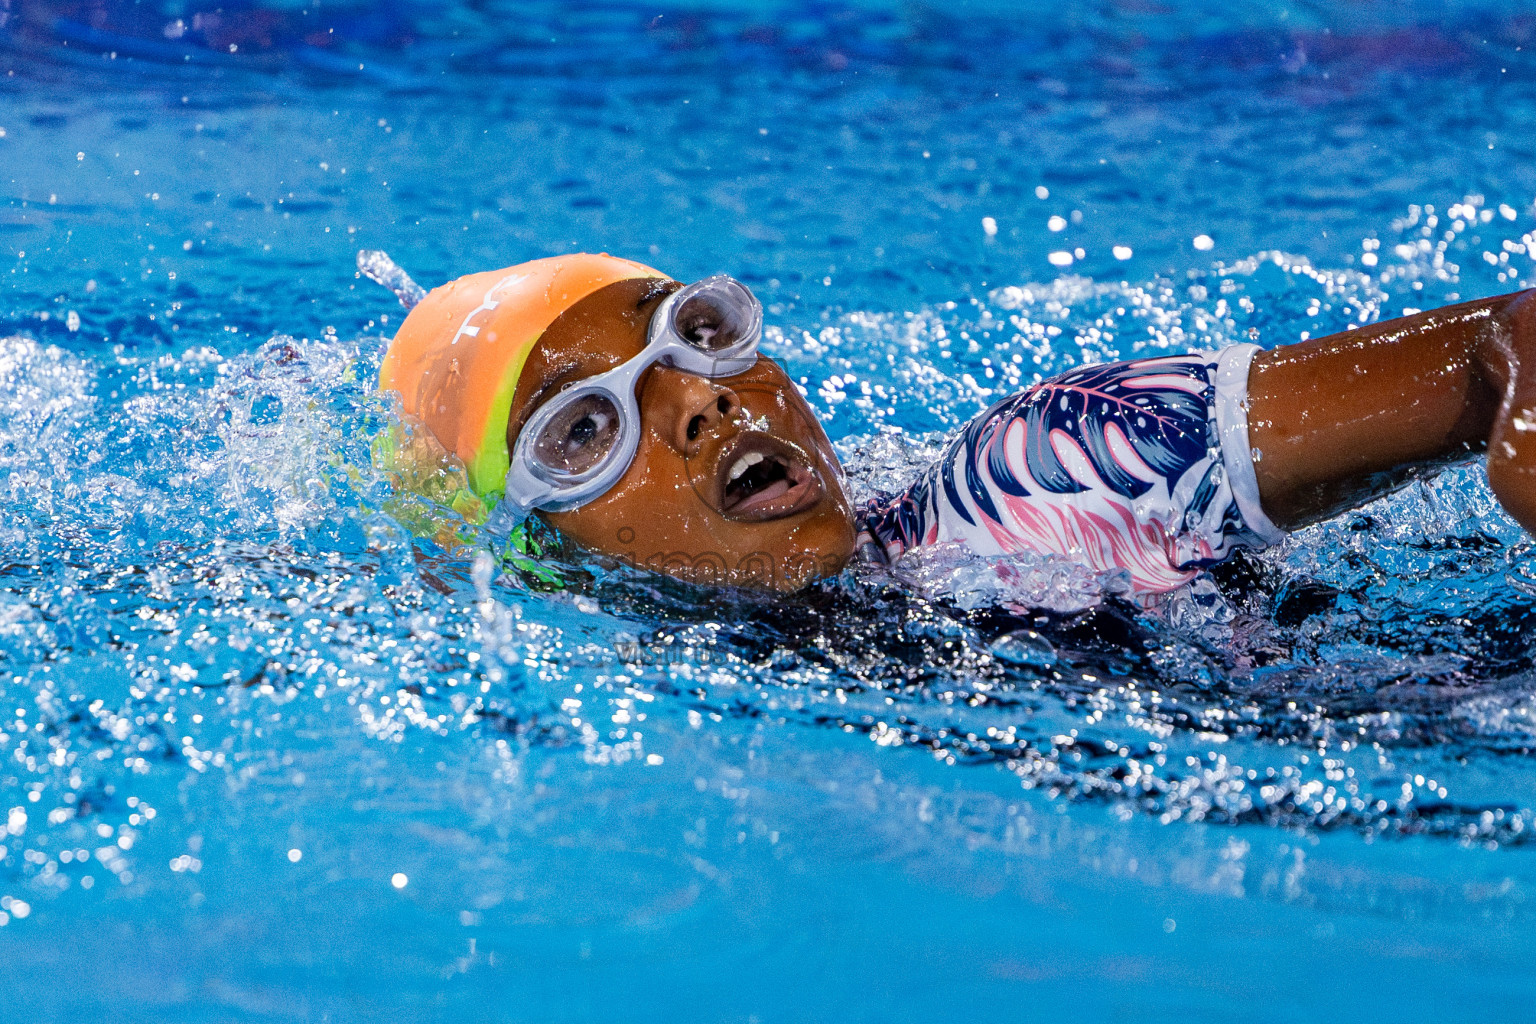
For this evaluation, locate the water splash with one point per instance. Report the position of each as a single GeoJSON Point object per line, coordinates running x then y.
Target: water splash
{"type": "Point", "coordinates": [201, 582]}
{"type": "Point", "coordinates": [376, 266]}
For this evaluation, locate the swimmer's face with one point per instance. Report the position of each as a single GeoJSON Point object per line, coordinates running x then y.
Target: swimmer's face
{"type": "Point", "coordinates": [734, 481]}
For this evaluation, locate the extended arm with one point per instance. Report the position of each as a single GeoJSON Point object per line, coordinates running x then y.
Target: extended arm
{"type": "Point", "coordinates": [1339, 420]}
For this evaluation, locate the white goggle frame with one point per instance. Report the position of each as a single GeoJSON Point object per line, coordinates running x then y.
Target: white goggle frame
{"type": "Point", "coordinates": [532, 485]}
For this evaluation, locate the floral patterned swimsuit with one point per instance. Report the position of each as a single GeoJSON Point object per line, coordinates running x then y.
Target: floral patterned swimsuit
{"type": "Point", "coordinates": [1141, 465]}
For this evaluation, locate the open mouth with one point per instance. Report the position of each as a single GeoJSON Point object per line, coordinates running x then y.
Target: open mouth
{"type": "Point", "coordinates": [762, 478]}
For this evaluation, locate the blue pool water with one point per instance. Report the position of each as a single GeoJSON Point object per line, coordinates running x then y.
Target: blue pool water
{"type": "Point", "coordinates": [264, 757]}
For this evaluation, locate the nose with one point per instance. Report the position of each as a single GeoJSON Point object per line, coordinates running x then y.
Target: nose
{"type": "Point", "coordinates": [682, 407]}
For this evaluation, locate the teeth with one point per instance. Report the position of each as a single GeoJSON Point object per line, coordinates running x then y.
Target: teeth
{"type": "Point", "coordinates": [743, 464]}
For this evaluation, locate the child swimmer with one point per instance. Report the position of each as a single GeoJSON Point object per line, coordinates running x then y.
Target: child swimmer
{"type": "Point", "coordinates": [637, 417]}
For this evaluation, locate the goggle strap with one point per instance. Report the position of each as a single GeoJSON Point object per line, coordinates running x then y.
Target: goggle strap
{"type": "Point", "coordinates": [505, 518]}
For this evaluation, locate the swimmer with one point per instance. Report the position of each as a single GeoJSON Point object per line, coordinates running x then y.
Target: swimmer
{"type": "Point", "coordinates": [636, 416]}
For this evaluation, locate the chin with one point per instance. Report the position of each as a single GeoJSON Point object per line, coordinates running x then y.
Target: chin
{"type": "Point", "coordinates": [783, 556]}
{"type": "Point", "coordinates": [790, 529]}
{"type": "Point", "coordinates": [815, 547]}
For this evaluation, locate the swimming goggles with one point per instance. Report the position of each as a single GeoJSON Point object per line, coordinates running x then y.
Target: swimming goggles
{"type": "Point", "coordinates": [577, 445]}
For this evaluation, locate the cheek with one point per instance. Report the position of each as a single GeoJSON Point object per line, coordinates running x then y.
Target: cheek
{"type": "Point", "coordinates": [657, 485]}
{"type": "Point", "coordinates": [652, 506]}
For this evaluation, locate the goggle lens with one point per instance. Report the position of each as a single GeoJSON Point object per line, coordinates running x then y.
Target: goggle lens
{"type": "Point", "coordinates": [716, 314]}
{"type": "Point", "coordinates": [579, 436]}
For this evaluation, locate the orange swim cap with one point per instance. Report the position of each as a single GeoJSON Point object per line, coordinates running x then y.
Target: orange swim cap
{"type": "Point", "coordinates": [456, 359]}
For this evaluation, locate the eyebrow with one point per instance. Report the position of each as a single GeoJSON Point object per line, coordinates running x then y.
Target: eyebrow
{"type": "Point", "coordinates": [569, 375]}
{"type": "Point", "coordinates": [659, 289]}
